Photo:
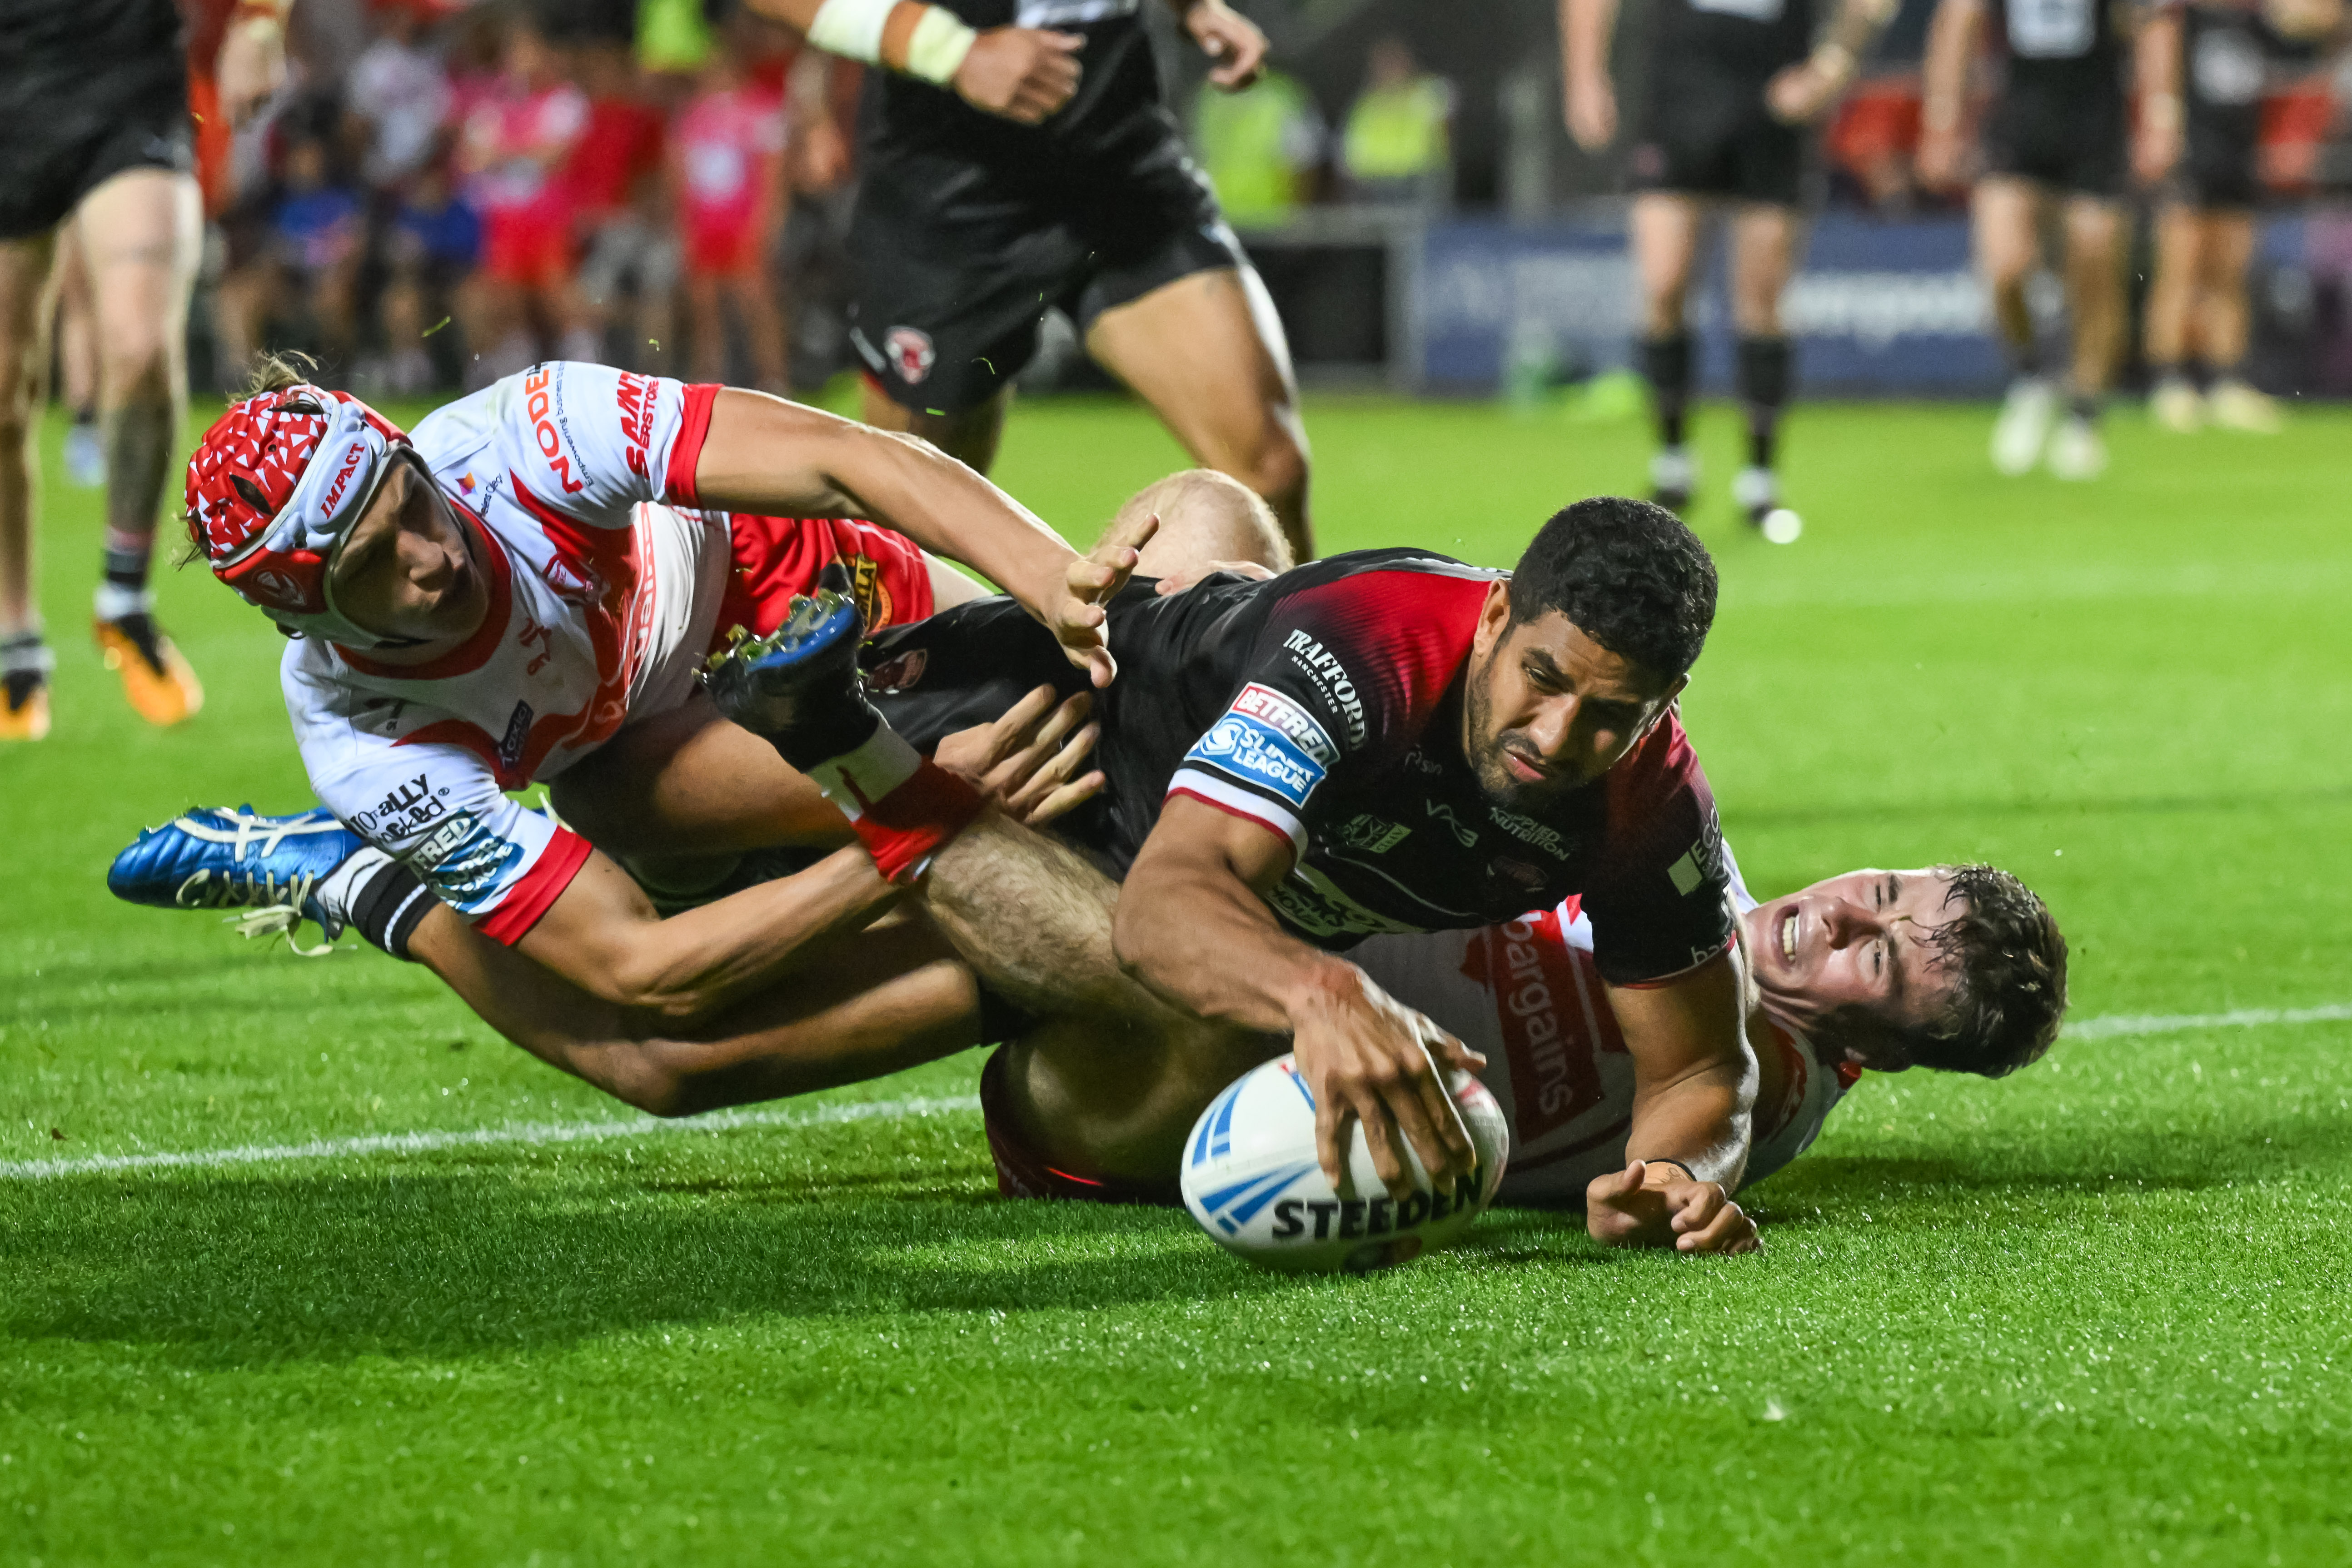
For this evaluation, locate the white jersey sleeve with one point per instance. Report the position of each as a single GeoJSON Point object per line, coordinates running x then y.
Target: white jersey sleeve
{"type": "Point", "coordinates": [436, 807]}
{"type": "Point", "coordinates": [578, 443]}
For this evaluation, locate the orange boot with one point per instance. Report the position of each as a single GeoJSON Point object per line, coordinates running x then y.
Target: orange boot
{"type": "Point", "coordinates": [24, 663]}
{"type": "Point", "coordinates": [155, 678]}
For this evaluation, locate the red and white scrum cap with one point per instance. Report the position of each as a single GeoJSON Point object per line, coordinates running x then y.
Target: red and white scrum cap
{"type": "Point", "coordinates": [275, 488]}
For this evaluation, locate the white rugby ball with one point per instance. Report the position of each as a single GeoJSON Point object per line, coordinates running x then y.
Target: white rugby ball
{"type": "Point", "coordinates": [1251, 1180]}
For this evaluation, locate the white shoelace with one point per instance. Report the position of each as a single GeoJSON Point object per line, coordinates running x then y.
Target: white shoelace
{"type": "Point", "coordinates": [271, 908]}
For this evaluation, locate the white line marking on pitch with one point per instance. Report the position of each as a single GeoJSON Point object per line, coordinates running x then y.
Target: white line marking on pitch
{"type": "Point", "coordinates": [490, 1137]}
{"type": "Point", "coordinates": [2110, 1027]}
{"type": "Point", "coordinates": [2114, 1026]}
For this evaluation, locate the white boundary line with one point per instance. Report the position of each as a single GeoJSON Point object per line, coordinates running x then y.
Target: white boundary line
{"type": "Point", "coordinates": [487, 1137]}
{"type": "Point", "coordinates": [2114, 1026]}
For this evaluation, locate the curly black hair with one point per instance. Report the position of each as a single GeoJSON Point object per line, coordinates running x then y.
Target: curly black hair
{"type": "Point", "coordinates": [2009, 960]}
{"type": "Point", "coordinates": [1628, 574]}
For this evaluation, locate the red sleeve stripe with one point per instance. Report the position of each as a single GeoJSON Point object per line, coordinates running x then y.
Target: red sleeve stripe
{"type": "Point", "coordinates": [686, 452]}
{"type": "Point", "coordinates": [1211, 790]}
{"type": "Point", "coordinates": [539, 887]}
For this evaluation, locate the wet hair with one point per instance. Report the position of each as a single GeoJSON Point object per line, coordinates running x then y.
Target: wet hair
{"type": "Point", "coordinates": [1628, 574]}
{"type": "Point", "coordinates": [2008, 963]}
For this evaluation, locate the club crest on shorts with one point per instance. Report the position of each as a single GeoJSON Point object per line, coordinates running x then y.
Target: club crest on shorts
{"type": "Point", "coordinates": [910, 352]}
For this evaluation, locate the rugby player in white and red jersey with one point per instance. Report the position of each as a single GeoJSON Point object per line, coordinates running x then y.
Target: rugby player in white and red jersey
{"type": "Point", "coordinates": [1958, 968]}
{"type": "Point", "coordinates": [483, 605]}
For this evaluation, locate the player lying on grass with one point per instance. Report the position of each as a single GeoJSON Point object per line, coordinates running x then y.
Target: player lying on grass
{"type": "Point", "coordinates": [547, 562]}
{"type": "Point", "coordinates": [1486, 708]}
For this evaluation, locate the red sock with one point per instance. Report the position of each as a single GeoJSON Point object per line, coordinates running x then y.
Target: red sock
{"type": "Point", "coordinates": [902, 806]}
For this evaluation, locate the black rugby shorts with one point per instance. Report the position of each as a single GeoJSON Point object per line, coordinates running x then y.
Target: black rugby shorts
{"type": "Point", "coordinates": [1719, 142]}
{"type": "Point", "coordinates": [2076, 145]}
{"type": "Point", "coordinates": [61, 148]}
{"type": "Point", "coordinates": [958, 261]}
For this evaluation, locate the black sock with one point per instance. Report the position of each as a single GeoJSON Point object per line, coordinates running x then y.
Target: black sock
{"type": "Point", "coordinates": [1764, 375]}
{"type": "Point", "coordinates": [2024, 359]}
{"type": "Point", "coordinates": [86, 415]}
{"type": "Point", "coordinates": [1666, 363]}
{"type": "Point", "coordinates": [2084, 405]}
{"type": "Point", "coordinates": [126, 567]}
{"type": "Point", "coordinates": [2161, 371]}
{"type": "Point", "coordinates": [390, 906]}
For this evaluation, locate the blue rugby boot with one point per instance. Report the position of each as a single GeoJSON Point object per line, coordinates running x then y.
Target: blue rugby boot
{"type": "Point", "coordinates": [277, 871]}
{"type": "Point", "coordinates": [800, 686]}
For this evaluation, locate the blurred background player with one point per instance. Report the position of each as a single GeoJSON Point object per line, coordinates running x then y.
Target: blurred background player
{"type": "Point", "coordinates": [2202, 67]}
{"type": "Point", "coordinates": [1012, 169]}
{"type": "Point", "coordinates": [308, 266]}
{"type": "Point", "coordinates": [1732, 85]}
{"type": "Point", "coordinates": [94, 118]}
{"type": "Point", "coordinates": [2054, 134]}
{"type": "Point", "coordinates": [513, 149]}
{"type": "Point", "coordinates": [727, 149]}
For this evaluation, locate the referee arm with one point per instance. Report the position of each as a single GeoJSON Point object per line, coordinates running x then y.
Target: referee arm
{"type": "Point", "coordinates": [1590, 106]}
{"type": "Point", "coordinates": [1022, 74]}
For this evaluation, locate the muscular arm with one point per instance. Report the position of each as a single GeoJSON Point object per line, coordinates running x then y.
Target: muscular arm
{"type": "Point", "coordinates": [1022, 74]}
{"type": "Point", "coordinates": [1194, 926]}
{"type": "Point", "coordinates": [2155, 65]}
{"type": "Point", "coordinates": [765, 454]}
{"type": "Point", "coordinates": [603, 934]}
{"type": "Point", "coordinates": [1952, 35]}
{"type": "Point", "coordinates": [1694, 1072]}
{"type": "Point", "coordinates": [1585, 27]}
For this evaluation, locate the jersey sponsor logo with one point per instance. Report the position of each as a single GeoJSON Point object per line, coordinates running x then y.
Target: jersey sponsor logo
{"type": "Point", "coordinates": [1257, 752]}
{"type": "Point", "coordinates": [636, 398]}
{"type": "Point", "coordinates": [1552, 1031]}
{"type": "Point", "coordinates": [1330, 678]}
{"type": "Point", "coordinates": [464, 860]}
{"type": "Point", "coordinates": [1702, 864]}
{"type": "Point", "coordinates": [1440, 811]}
{"type": "Point", "coordinates": [539, 404]}
{"type": "Point", "coordinates": [1746, 10]}
{"type": "Point", "coordinates": [518, 735]}
{"type": "Point", "coordinates": [407, 808]}
{"type": "Point", "coordinates": [910, 353]}
{"type": "Point", "coordinates": [1314, 904]}
{"type": "Point", "coordinates": [1372, 834]}
{"type": "Point", "coordinates": [2052, 29]}
{"type": "Point", "coordinates": [1296, 723]}
{"type": "Point", "coordinates": [1065, 13]}
{"type": "Point", "coordinates": [1528, 831]}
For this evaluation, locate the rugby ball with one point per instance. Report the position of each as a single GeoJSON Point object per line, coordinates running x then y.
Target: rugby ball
{"type": "Point", "coordinates": [1252, 1181]}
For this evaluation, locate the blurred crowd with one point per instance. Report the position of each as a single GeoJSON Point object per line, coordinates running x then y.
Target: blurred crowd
{"type": "Point", "coordinates": [442, 192]}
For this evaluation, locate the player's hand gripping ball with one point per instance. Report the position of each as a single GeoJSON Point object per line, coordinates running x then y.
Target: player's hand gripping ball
{"type": "Point", "coordinates": [1251, 1180]}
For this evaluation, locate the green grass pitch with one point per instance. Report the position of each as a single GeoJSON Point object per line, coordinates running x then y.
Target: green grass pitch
{"type": "Point", "coordinates": [2094, 1314]}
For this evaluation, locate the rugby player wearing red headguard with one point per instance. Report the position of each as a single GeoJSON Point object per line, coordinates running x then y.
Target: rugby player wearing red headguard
{"type": "Point", "coordinates": [486, 604]}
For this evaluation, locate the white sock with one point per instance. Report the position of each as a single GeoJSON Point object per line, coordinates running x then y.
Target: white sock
{"type": "Point", "coordinates": [855, 780]}
{"type": "Point", "coordinates": [114, 601]}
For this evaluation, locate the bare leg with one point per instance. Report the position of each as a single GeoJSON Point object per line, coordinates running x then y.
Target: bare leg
{"type": "Point", "coordinates": [25, 268]}
{"type": "Point", "coordinates": [2172, 293]}
{"type": "Point", "coordinates": [864, 1006]}
{"type": "Point", "coordinates": [77, 326]}
{"type": "Point", "coordinates": [1208, 353]}
{"type": "Point", "coordinates": [2095, 290]}
{"type": "Point", "coordinates": [970, 438]}
{"type": "Point", "coordinates": [2003, 233]}
{"type": "Point", "coordinates": [142, 231]}
{"type": "Point", "coordinates": [2227, 251]}
{"type": "Point", "coordinates": [1113, 1078]}
{"type": "Point", "coordinates": [1665, 230]}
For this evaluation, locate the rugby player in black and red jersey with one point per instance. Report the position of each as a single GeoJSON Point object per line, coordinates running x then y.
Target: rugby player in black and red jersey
{"type": "Point", "coordinates": [1387, 740]}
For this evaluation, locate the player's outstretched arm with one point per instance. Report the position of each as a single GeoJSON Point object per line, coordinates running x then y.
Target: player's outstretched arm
{"type": "Point", "coordinates": [1952, 35]}
{"type": "Point", "coordinates": [1693, 1089]}
{"type": "Point", "coordinates": [1226, 37]}
{"type": "Point", "coordinates": [765, 454]}
{"type": "Point", "coordinates": [1194, 926]}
